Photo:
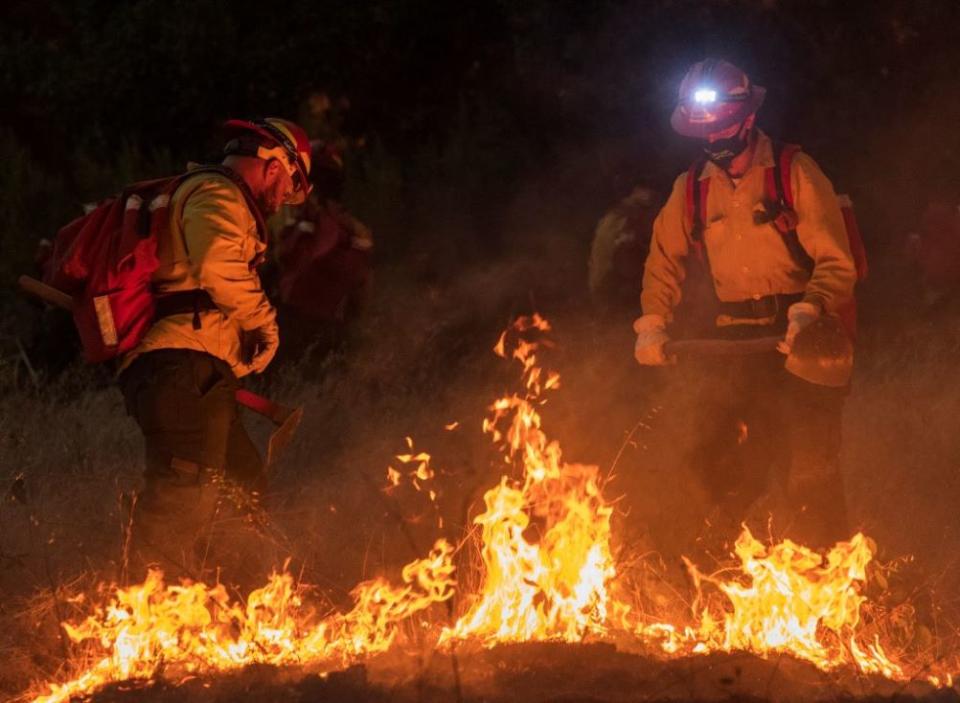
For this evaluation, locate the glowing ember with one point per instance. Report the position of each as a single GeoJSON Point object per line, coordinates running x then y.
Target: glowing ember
{"type": "Point", "coordinates": [547, 574]}
{"type": "Point", "coordinates": [418, 470]}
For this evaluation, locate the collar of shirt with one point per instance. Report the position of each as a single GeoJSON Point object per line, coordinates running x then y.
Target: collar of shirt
{"type": "Point", "coordinates": [762, 158]}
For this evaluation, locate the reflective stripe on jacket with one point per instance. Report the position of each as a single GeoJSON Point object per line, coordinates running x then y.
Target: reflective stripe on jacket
{"type": "Point", "coordinates": [750, 260]}
{"type": "Point", "coordinates": [212, 243]}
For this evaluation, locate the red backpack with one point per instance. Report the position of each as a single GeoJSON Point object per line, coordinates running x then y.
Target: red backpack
{"type": "Point", "coordinates": [780, 213]}
{"type": "Point", "coordinates": [105, 261]}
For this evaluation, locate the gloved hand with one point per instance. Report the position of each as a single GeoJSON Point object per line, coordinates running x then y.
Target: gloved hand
{"type": "Point", "coordinates": [799, 315]}
{"type": "Point", "coordinates": [360, 235]}
{"type": "Point", "coordinates": [263, 343]}
{"type": "Point", "coordinates": [651, 336]}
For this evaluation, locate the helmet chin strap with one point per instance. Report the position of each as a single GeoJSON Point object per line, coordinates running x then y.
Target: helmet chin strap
{"type": "Point", "coordinates": [722, 152]}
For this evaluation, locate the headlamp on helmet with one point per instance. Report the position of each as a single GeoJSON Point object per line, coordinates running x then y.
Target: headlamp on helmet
{"type": "Point", "coordinates": [714, 95]}
{"type": "Point", "coordinates": [704, 96]}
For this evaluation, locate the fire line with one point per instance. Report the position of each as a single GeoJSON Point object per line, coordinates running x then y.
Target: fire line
{"type": "Point", "coordinates": [548, 574]}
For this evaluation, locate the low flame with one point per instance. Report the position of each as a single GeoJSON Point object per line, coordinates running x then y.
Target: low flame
{"type": "Point", "coordinates": [798, 602]}
{"type": "Point", "coordinates": [195, 629]}
{"type": "Point", "coordinates": [548, 573]}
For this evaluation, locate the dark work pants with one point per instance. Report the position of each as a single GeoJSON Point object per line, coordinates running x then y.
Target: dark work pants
{"type": "Point", "coordinates": [755, 422]}
{"type": "Point", "coordinates": [184, 402]}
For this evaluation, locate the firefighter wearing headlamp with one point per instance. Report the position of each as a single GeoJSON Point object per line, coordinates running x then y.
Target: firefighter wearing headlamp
{"type": "Point", "coordinates": [718, 214]}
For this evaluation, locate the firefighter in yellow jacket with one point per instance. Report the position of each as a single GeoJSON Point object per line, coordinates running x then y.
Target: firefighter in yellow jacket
{"type": "Point", "coordinates": [756, 288]}
{"type": "Point", "coordinates": [214, 325]}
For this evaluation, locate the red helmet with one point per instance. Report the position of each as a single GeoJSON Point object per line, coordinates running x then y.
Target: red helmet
{"type": "Point", "coordinates": [274, 138]}
{"type": "Point", "coordinates": [713, 96]}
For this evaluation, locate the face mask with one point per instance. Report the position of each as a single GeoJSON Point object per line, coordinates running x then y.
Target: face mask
{"type": "Point", "coordinates": [723, 151]}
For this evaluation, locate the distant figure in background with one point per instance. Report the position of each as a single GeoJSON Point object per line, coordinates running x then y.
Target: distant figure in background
{"type": "Point", "coordinates": [324, 118]}
{"type": "Point", "coordinates": [935, 247]}
{"type": "Point", "coordinates": [620, 246]}
{"type": "Point", "coordinates": [324, 260]}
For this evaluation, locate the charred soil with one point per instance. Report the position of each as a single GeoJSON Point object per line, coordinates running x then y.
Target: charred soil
{"type": "Point", "coordinates": [535, 673]}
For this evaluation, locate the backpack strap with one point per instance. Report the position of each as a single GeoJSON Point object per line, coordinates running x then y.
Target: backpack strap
{"type": "Point", "coordinates": [782, 159]}
{"type": "Point", "coordinates": [197, 300]}
{"type": "Point", "coordinates": [241, 184]}
{"type": "Point", "coordinates": [780, 192]}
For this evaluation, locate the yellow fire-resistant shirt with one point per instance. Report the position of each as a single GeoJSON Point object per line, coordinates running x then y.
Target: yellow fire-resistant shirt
{"type": "Point", "coordinates": [212, 243]}
{"type": "Point", "coordinates": [751, 260]}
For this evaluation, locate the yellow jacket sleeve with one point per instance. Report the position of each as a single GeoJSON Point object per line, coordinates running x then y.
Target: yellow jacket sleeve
{"type": "Point", "coordinates": [665, 268]}
{"type": "Point", "coordinates": [823, 235]}
{"type": "Point", "coordinates": [222, 244]}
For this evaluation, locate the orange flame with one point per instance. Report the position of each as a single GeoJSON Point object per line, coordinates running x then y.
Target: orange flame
{"type": "Point", "coordinates": [421, 471]}
{"type": "Point", "coordinates": [193, 628]}
{"type": "Point", "coordinates": [545, 538]}
{"type": "Point", "coordinates": [547, 573]}
{"type": "Point", "coordinates": [798, 602]}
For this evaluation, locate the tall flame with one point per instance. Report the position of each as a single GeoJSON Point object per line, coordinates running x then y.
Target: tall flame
{"type": "Point", "coordinates": [547, 572]}
{"type": "Point", "coordinates": [545, 537]}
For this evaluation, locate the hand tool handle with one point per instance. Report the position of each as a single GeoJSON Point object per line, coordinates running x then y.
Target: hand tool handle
{"type": "Point", "coordinates": [47, 293]}
{"type": "Point", "coordinates": [721, 347]}
{"type": "Point", "coordinates": [263, 406]}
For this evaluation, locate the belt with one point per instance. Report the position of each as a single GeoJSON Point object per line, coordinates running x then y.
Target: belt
{"type": "Point", "coordinates": [183, 302]}
{"type": "Point", "coordinates": [769, 306]}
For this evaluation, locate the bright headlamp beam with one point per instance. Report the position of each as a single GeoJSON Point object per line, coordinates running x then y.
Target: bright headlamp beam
{"type": "Point", "coordinates": [705, 95]}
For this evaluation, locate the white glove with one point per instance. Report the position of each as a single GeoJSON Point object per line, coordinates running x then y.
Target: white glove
{"type": "Point", "coordinates": [360, 235]}
{"type": "Point", "coordinates": [651, 336]}
{"type": "Point", "coordinates": [265, 341]}
{"type": "Point", "coordinates": [799, 315]}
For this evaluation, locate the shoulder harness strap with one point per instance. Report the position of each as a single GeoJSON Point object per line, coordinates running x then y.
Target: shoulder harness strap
{"type": "Point", "coordinates": [199, 299]}
{"type": "Point", "coordinates": [241, 185]}
{"type": "Point", "coordinates": [780, 191]}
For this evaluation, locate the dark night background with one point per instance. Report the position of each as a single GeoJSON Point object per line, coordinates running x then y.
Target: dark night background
{"type": "Point", "coordinates": [487, 140]}
{"type": "Point", "coordinates": [480, 97]}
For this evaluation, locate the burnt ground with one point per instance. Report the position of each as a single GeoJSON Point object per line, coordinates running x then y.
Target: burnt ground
{"type": "Point", "coordinates": [534, 673]}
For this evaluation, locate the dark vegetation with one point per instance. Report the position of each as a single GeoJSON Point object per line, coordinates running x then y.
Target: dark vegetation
{"type": "Point", "coordinates": [486, 139]}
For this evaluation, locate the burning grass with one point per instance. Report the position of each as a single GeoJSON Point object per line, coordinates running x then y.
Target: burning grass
{"type": "Point", "coordinates": [547, 573]}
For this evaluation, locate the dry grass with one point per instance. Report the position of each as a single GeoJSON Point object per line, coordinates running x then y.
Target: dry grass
{"type": "Point", "coordinates": [78, 455]}
{"type": "Point", "coordinates": [420, 359]}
